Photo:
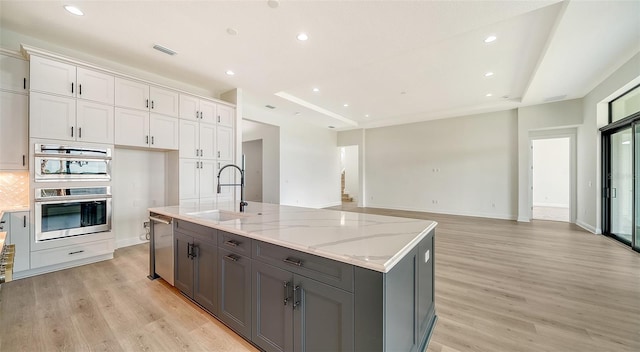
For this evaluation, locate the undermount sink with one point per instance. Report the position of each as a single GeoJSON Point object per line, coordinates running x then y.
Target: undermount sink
{"type": "Point", "coordinates": [217, 215]}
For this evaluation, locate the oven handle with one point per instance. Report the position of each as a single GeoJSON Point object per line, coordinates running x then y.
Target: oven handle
{"type": "Point", "coordinates": [71, 157]}
{"type": "Point", "coordinates": [49, 200]}
{"type": "Point", "coordinates": [160, 220]}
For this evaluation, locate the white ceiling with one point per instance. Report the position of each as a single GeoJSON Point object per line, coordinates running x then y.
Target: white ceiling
{"type": "Point", "coordinates": [396, 61]}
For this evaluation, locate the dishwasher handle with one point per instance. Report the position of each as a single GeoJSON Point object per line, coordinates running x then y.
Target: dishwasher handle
{"type": "Point", "coordinates": [162, 220]}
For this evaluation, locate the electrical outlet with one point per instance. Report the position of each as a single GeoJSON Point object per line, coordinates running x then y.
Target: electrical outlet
{"type": "Point", "coordinates": [146, 225]}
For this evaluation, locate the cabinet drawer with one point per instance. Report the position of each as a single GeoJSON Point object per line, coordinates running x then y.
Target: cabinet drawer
{"type": "Point", "coordinates": [234, 243]}
{"type": "Point", "coordinates": [69, 253]}
{"type": "Point", "coordinates": [195, 230]}
{"type": "Point", "coordinates": [321, 269]}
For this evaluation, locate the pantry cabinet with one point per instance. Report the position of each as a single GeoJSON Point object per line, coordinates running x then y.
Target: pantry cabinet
{"type": "Point", "coordinates": [197, 140]}
{"type": "Point", "coordinates": [14, 74]}
{"type": "Point", "coordinates": [194, 108]}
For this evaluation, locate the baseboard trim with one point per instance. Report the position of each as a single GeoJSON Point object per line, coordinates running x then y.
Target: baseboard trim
{"type": "Point", "coordinates": [51, 268]}
{"type": "Point", "coordinates": [447, 212]}
{"type": "Point", "coordinates": [588, 227]}
{"type": "Point", "coordinates": [523, 219]}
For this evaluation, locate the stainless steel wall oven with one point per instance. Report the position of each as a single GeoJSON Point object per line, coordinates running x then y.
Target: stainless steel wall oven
{"type": "Point", "coordinates": [72, 211]}
{"type": "Point", "coordinates": [69, 163]}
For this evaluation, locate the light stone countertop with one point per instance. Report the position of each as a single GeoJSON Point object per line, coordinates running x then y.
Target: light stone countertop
{"type": "Point", "coordinates": [370, 241]}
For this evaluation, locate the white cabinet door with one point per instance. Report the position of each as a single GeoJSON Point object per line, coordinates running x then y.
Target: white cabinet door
{"type": "Point", "coordinates": [131, 94]}
{"type": "Point", "coordinates": [164, 101]}
{"type": "Point", "coordinates": [208, 181]}
{"type": "Point", "coordinates": [189, 184]}
{"type": "Point", "coordinates": [14, 131]}
{"type": "Point", "coordinates": [95, 86]}
{"type": "Point", "coordinates": [14, 74]}
{"type": "Point", "coordinates": [207, 141]}
{"type": "Point", "coordinates": [164, 132]}
{"type": "Point", "coordinates": [225, 143]}
{"type": "Point", "coordinates": [52, 116]}
{"type": "Point", "coordinates": [131, 127]}
{"type": "Point", "coordinates": [189, 146]}
{"type": "Point", "coordinates": [94, 122]}
{"type": "Point", "coordinates": [226, 115]}
{"type": "Point", "coordinates": [20, 237]}
{"type": "Point", "coordinates": [189, 107]}
{"type": "Point", "coordinates": [208, 111]}
{"type": "Point", "coordinates": [53, 77]}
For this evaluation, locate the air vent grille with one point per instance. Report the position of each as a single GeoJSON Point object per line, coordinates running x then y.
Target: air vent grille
{"type": "Point", "coordinates": [270, 106]}
{"type": "Point", "coordinates": [164, 49]}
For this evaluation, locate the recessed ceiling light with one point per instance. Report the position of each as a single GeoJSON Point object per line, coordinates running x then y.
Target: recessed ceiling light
{"type": "Point", "coordinates": [74, 10]}
{"type": "Point", "coordinates": [273, 4]}
{"type": "Point", "coordinates": [367, 115]}
{"type": "Point", "coordinates": [489, 95]}
{"type": "Point", "coordinates": [346, 105]}
{"type": "Point", "coordinates": [490, 39]}
{"type": "Point", "coordinates": [488, 74]}
{"type": "Point", "coordinates": [403, 92]}
{"type": "Point", "coordinates": [316, 89]}
{"type": "Point", "coordinates": [230, 73]}
{"type": "Point", "coordinates": [232, 31]}
{"type": "Point", "coordinates": [302, 36]}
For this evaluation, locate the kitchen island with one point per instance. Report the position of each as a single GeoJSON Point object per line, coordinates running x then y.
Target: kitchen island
{"type": "Point", "coordinates": [299, 279]}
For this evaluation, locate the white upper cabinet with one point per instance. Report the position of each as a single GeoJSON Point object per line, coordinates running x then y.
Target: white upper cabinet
{"type": "Point", "coordinates": [194, 108]}
{"type": "Point", "coordinates": [224, 142]}
{"type": "Point", "coordinates": [207, 139]}
{"type": "Point", "coordinates": [132, 94]}
{"type": "Point", "coordinates": [14, 131]}
{"type": "Point", "coordinates": [54, 77]}
{"type": "Point", "coordinates": [52, 116]}
{"type": "Point", "coordinates": [131, 127]}
{"type": "Point", "coordinates": [94, 122]}
{"type": "Point", "coordinates": [56, 117]}
{"type": "Point", "coordinates": [164, 101]}
{"type": "Point", "coordinates": [140, 96]}
{"type": "Point", "coordinates": [226, 115]}
{"type": "Point", "coordinates": [95, 86]}
{"type": "Point", "coordinates": [14, 74]}
{"type": "Point", "coordinates": [164, 132]}
{"type": "Point", "coordinates": [189, 139]}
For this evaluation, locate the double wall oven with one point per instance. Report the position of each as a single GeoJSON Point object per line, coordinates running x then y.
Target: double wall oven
{"type": "Point", "coordinates": [72, 196]}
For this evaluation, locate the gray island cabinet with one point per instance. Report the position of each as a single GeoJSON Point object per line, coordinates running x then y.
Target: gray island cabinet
{"type": "Point", "coordinates": [285, 299]}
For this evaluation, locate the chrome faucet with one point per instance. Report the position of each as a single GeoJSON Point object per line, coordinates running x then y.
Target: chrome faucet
{"type": "Point", "coordinates": [241, 184]}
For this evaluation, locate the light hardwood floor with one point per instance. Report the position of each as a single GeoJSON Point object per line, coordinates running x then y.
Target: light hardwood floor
{"type": "Point", "coordinates": [500, 286]}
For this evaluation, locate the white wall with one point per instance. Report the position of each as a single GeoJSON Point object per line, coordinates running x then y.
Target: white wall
{"type": "Point", "coordinates": [270, 136]}
{"type": "Point", "coordinates": [309, 160]}
{"type": "Point", "coordinates": [465, 165]}
{"type": "Point", "coordinates": [551, 172]}
{"type": "Point", "coordinates": [138, 184]}
{"type": "Point", "coordinates": [252, 151]}
{"type": "Point", "coordinates": [595, 116]}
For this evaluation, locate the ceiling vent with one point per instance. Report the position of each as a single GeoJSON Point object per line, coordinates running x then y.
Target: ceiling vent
{"type": "Point", "coordinates": [164, 49]}
{"type": "Point", "coordinates": [270, 106]}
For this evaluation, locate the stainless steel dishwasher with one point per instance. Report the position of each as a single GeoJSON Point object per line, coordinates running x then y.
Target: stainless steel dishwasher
{"type": "Point", "coordinates": [161, 247]}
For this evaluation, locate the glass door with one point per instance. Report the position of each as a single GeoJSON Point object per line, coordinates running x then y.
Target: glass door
{"type": "Point", "coordinates": [635, 240]}
{"type": "Point", "coordinates": [620, 188]}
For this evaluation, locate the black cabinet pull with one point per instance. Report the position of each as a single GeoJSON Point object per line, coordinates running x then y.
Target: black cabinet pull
{"type": "Point", "coordinates": [71, 131]}
{"type": "Point", "coordinates": [79, 132]}
{"type": "Point", "coordinates": [296, 300]}
{"type": "Point", "coordinates": [152, 139]}
{"type": "Point", "coordinates": [190, 250]}
{"type": "Point", "coordinates": [147, 140]}
{"type": "Point", "coordinates": [76, 252]}
{"type": "Point", "coordinates": [24, 161]}
{"type": "Point", "coordinates": [232, 243]}
{"type": "Point", "coordinates": [200, 114]}
{"type": "Point", "coordinates": [80, 89]}
{"type": "Point", "coordinates": [24, 83]}
{"type": "Point", "coordinates": [294, 261]}
{"type": "Point", "coordinates": [24, 221]}
{"type": "Point", "coordinates": [286, 292]}
{"type": "Point", "coordinates": [152, 104]}
{"type": "Point", "coordinates": [71, 87]}
{"type": "Point", "coordinates": [147, 103]}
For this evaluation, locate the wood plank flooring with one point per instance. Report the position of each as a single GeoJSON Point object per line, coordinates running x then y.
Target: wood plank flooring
{"type": "Point", "coordinates": [500, 286]}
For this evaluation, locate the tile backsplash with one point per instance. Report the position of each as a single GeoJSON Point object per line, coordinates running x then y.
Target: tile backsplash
{"type": "Point", "coordinates": [14, 189]}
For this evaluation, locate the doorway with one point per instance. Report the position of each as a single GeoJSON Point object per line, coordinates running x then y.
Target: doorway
{"type": "Point", "coordinates": [551, 179]}
{"type": "Point", "coordinates": [349, 176]}
{"type": "Point", "coordinates": [252, 151]}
